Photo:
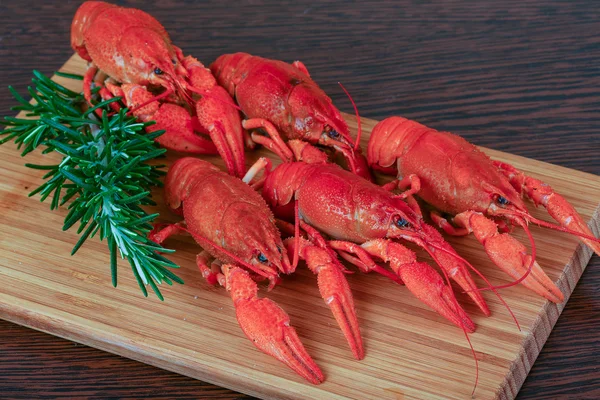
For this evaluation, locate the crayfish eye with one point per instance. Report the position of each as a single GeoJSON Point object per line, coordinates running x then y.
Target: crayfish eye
{"type": "Point", "coordinates": [502, 200]}
{"type": "Point", "coordinates": [158, 71]}
{"type": "Point", "coordinates": [332, 133]}
{"type": "Point", "coordinates": [262, 258]}
{"type": "Point", "coordinates": [402, 223]}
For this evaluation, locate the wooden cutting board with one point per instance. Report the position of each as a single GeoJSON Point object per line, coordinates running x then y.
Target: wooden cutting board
{"type": "Point", "coordinates": [411, 352]}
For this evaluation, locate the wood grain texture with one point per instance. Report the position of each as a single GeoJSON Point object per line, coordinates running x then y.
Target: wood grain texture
{"type": "Point", "coordinates": [411, 350]}
{"type": "Point", "coordinates": [517, 76]}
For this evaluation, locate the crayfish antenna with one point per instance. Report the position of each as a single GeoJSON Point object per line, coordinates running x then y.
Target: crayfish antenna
{"type": "Point", "coordinates": [476, 361]}
{"type": "Point", "coordinates": [459, 273]}
{"type": "Point", "coordinates": [296, 235]}
{"type": "Point", "coordinates": [462, 327]}
{"type": "Point", "coordinates": [588, 238]}
{"type": "Point", "coordinates": [359, 134]}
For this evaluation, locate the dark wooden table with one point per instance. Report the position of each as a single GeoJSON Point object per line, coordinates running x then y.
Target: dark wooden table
{"type": "Point", "coordinates": [522, 77]}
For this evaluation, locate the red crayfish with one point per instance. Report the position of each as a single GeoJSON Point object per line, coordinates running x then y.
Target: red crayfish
{"type": "Point", "coordinates": [365, 220]}
{"type": "Point", "coordinates": [278, 97]}
{"type": "Point", "coordinates": [134, 50]}
{"type": "Point", "coordinates": [456, 178]}
{"type": "Point", "coordinates": [233, 225]}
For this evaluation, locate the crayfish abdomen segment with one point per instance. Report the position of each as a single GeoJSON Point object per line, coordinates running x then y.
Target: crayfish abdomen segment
{"type": "Point", "coordinates": [182, 177]}
{"type": "Point", "coordinates": [84, 18]}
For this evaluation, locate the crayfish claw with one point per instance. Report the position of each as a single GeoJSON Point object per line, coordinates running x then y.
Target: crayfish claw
{"type": "Point", "coordinates": [336, 292]}
{"type": "Point", "coordinates": [268, 326]}
{"type": "Point", "coordinates": [334, 289]}
{"type": "Point", "coordinates": [511, 256]}
{"type": "Point", "coordinates": [557, 206]}
{"type": "Point", "coordinates": [454, 265]}
{"type": "Point", "coordinates": [429, 287]}
{"type": "Point", "coordinates": [422, 280]}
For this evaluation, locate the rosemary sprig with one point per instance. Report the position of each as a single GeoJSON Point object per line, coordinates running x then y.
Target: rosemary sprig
{"type": "Point", "coordinates": [104, 173]}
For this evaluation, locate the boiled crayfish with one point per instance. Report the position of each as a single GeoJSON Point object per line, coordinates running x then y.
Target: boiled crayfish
{"type": "Point", "coordinates": [457, 178]}
{"type": "Point", "coordinates": [134, 50]}
{"type": "Point", "coordinates": [278, 97]}
{"type": "Point", "coordinates": [233, 225]}
{"type": "Point", "coordinates": [365, 220]}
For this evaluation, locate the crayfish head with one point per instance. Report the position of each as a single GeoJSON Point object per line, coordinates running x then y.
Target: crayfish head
{"type": "Point", "coordinates": [253, 236]}
{"type": "Point", "coordinates": [403, 223]}
{"type": "Point", "coordinates": [504, 203]}
{"type": "Point", "coordinates": [269, 255]}
{"type": "Point", "coordinates": [274, 257]}
{"type": "Point", "coordinates": [314, 118]}
{"type": "Point", "coordinates": [150, 59]}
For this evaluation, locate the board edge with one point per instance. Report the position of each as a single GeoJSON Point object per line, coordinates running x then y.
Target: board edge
{"type": "Point", "coordinates": [543, 325]}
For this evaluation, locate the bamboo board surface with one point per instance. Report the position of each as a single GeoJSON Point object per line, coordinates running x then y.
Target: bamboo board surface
{"type": "Point", "coordinates": [411, 352]}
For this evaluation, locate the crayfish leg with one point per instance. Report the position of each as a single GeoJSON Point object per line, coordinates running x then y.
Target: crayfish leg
{"type": "Point", "coordinates": [88, 77]}
{"type": "Point", "coordinates": [443, 224]}
{"type": "Point", "coordinates": [275, 142]}
{"type": "Point", "coordinates": [212, 275]}
{"type": "Point", "coordinates": [359, 257]}
{"type": "Point", "coordinates": [162, 232]}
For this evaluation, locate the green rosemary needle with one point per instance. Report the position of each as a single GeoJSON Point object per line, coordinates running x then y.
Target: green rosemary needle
{"type": "Point", "coordinates": [104, 173]}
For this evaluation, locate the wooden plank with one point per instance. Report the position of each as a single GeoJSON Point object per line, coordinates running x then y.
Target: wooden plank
{"type": "Point", "coordinates": [411, 351]}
